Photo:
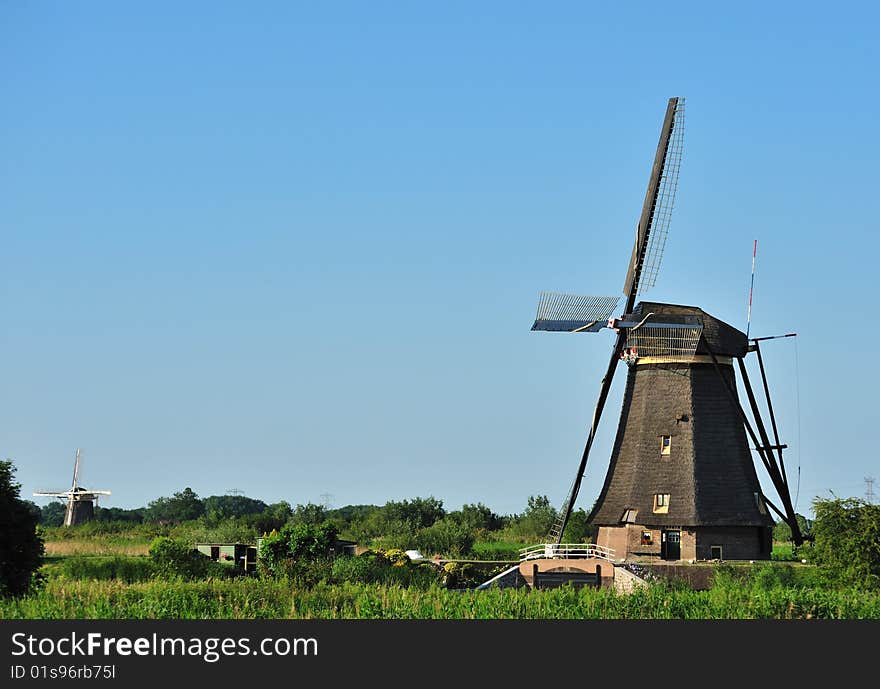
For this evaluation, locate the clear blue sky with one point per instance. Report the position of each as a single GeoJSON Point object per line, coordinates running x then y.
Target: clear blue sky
{"type": "Point", "coordinates": [296, 249]}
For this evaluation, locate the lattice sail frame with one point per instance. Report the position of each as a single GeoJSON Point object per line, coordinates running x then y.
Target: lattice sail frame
{"type": "Point", "coordinates": [573, 312]}
{"type": "Point", "coordinates": [662, 213]}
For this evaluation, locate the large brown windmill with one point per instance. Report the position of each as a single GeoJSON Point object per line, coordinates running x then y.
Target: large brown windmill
{"type": "Point", "coordinates": [681, 483]}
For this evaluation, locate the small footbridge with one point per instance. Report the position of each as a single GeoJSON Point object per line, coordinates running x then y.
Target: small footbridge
{"type": "Point", "coordinates": [549, 565]}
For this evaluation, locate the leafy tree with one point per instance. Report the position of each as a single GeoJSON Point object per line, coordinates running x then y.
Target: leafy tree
{"type": "Point", "coordinates": [578, 530]}
{"type": "Point", "coordinates": [846, 543]}
{"type": "Point", "coordinates": [537, 519]}
{"type": "Point", "coordinates": [350, 514]}
{"type": "Point", "coordinates": [181, 506]}
{"type": "Point", "coordinates": [53, 513]}
{"type": "Point", "coordinates": [397, 534]}
{"type": "Point", "coordinates": [397, 522]}
{"type": "Point", "coordinates": [21, 546]}
{"type": "Point", "coordinates": [279, 510]}
{"type": "Point", "coordinates": [782, 531]}
{"type": "Point", "coordinates": [420, 513]}
{"type": "Point", "coordinates": [374, 525]}
{"type": "Point", "coordinates": [309, 513]}
{"type": "Point", "coordinates": [34, 509]}
{"type": "Point", "coordinates": [272, 518]}
{"type": "Point", "coordinates": [117, 514]}
{"type": "Point", "coordinates": [219, 507]}
{"type": "Point", "coordinates": [445, 537]}
{"type": "Point", "coordinates": [476, 517]}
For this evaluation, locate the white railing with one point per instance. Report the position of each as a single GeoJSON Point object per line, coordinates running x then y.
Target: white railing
{"type": "Point", "coordinates": [566, 551]}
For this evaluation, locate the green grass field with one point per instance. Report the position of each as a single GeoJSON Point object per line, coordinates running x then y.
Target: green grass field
{"type": "Point", "coordinates": [108, 575]}
{"type": "Point", "coordinates": [248, 598]}
{"type": "Point", "coordinates": [123, 586]}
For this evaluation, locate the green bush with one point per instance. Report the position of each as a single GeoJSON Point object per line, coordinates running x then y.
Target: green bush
{"type": "Point", "coordinates": [394, 556]}
{"type": "Point", "coordinates": [299, 551]}
{"type": "Point", "coordinates": [385, 568]}
{"type": "Point", "coordinates": [172, 559]}
{"type": "Point", "coordinates": [445, 537]}
{"type": "Point", "coordinates": [846, 542]}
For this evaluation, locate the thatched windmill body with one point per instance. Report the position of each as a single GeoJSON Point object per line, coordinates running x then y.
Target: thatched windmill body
{"type": "Point", "coordinates": [80, 501]}
{"type": "Point", "coordinates": [681, 482]}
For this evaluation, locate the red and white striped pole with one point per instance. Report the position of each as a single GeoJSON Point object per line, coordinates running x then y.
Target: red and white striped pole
{"type": "Point", "coordinates": [751, 287]}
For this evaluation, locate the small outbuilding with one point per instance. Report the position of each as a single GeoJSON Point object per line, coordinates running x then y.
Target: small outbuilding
{"type": "Point", "coordinates": [241, 556]}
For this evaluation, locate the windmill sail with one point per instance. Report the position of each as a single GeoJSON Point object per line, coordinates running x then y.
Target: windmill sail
{"type": "Point", "coordinates": [644, 266]}
{"type": "Point", "coordinates": [75, 470]}
{"type": "Point", "coordinates": [659, 199]}
{"type": "Point", "coordinates": [573, 313]}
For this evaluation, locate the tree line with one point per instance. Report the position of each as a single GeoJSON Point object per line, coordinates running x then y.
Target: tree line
{"type": "Point", "coordinates": [845, 534]}
{"type": "Point", "coordinates": [419, 521]}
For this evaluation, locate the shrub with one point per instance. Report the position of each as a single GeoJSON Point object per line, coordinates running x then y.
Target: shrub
{"type": "Point", "coordinates": [445, 537]}
{"type": "Point", "coordinates": [174, 559]}
{"type": "Point", "coordinates": [377, 568]}
{"type": "Point", "coordinates": [847, 541]}
{"type": "Point", "coordinates": [394, 557]}
{"type": "Point", "coordinates": [463, 575]}
{"type": "Point", "coordinates": [299, 550]}
{"type": "Point", "coordinates": [274, 551]}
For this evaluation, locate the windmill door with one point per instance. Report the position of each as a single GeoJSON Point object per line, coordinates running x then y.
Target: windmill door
{"type": "Point", "coordinates": [670, 545]}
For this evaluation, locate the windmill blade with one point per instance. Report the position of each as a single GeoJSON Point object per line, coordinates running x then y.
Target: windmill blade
{"type": "Point", "coordinates": [657, 208]}
{"type": "Point", "coordinates": [573, 312]}
{"type": "Point", "coordinates": [75, 470]}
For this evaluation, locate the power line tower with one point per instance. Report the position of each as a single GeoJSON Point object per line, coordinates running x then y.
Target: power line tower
{"type": "Point", "coordinates": [869, 489]}
{"type": "Point", "coordinates": [235, 491]}
{"type": "Point", "coordinates": [327, 500]}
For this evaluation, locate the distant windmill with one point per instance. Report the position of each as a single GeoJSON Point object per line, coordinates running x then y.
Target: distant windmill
{"type": "Point", "coordinates": [80, 502]}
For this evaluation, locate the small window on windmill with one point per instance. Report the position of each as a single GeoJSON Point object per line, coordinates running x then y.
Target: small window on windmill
{"type": "Point", "coordinates": [665, 444]}
{"type": "Point", "coordinates": [647, 538]}
{"type": "Point", "coordinates": [629, 516]}
{"type": "Point", "coordinates": [661, 503]}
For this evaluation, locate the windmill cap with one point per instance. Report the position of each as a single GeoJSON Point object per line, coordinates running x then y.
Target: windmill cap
{"type": "Point", "coordinates": [719, 337]}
